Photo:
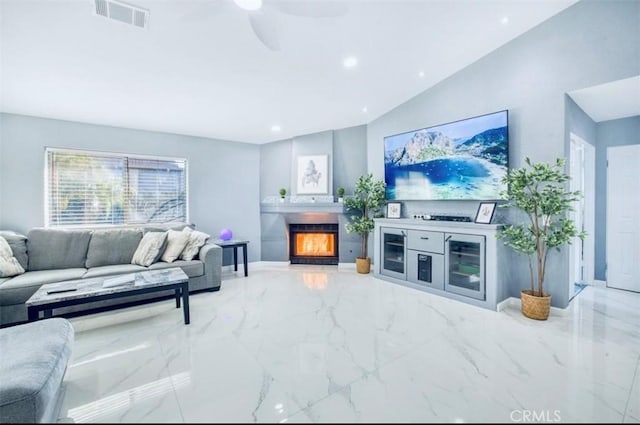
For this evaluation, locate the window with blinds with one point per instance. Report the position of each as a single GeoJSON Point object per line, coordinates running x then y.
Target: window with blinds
{"type": "Point", "coordinates": [87, 188]}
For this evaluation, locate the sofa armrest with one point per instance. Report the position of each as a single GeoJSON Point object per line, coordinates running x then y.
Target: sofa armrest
{"type": "Point", "coordinates": [211, 256]}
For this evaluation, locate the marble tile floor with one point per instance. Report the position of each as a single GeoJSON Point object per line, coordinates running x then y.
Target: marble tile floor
{"type": "Point", "coordinates": [325, 344]}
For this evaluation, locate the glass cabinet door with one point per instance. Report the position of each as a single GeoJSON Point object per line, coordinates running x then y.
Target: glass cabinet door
{"type": "Point", "coordinates": [464, 257]}
{"type": "Point", "coordinates": [393, 252]}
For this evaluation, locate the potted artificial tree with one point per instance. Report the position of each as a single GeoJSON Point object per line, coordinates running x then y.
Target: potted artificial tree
{"type": "Point", "coordinates": [282, 193]}
{"type": "Point", "coordinates": [340, 192]}
{"type": "Point", "coordinates": [539, 190]}
{"type": "Point", "coordinates": [367, 199]}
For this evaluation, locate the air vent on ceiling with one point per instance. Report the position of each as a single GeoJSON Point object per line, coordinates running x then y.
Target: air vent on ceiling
{"type": "Point", "coordinates": [123, 12]}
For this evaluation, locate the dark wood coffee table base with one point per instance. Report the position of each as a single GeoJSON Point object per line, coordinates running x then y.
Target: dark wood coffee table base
{"type": "Point", "coordinates": [181, 291]}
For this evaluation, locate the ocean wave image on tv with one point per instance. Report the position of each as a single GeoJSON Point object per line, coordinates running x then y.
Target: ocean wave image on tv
{"type": "Point", "coordinates": [465, 159]}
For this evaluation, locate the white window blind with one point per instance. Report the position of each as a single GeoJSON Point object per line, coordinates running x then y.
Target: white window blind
{"type": "Point", "coordinates": [87, 188]}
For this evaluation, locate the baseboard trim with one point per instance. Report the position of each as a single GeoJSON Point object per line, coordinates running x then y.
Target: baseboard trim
{"type": "Point", "coordinates": [516, 303]}
{"type": "Point", "coordinates": [599, 283]}
{"type": "Point", "coordinates": [503, 304]}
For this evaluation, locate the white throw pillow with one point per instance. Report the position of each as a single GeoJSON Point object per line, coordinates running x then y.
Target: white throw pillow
{"type": "Point", "coordinates": [148, 251]}
{"type": "Point", "coordinates": [196, 241]}
{"type": "Point", "coordinates": [176, 242]}
{"type": "Point", "coordinates": [9, 265]}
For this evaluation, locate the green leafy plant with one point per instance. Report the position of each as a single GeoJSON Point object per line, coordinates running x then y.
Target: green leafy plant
{"type": "Point", "coordinates": [282, 192]}
{"type": "Point", "coordinates": [367, 200]}
{"type": "Point", "coordinates": [340, 192]}
{"type": "Point", "coordinates": [539, 190]}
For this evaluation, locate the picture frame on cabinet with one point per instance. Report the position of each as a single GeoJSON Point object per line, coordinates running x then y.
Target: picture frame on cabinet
{"type": "Point", "coordinates": [485, 213]}
{"type": "Point", "coordinates": [394, 209]}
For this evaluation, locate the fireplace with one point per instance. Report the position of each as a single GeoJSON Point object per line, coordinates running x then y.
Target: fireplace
{"type": "Point", "coordinates": [313, 244]}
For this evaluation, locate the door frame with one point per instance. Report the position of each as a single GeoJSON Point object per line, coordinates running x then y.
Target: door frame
{"type": "Point", "coordinates": [585, 172]}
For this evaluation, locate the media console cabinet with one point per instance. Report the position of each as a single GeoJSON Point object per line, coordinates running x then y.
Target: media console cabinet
{"type": "Point", "coordinates": [459, 260]}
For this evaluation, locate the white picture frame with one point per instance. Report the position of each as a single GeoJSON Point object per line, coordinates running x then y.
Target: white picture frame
{"type": "Point", "coordinates": [485, 212]}
{"type": "Point", "coordinates": [394, 209]}
{"type": "Point", "coordinates": [312, 177]}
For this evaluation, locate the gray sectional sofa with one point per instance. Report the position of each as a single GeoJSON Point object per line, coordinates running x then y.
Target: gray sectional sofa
{"type": "Point", "coordinates": [53, 255]}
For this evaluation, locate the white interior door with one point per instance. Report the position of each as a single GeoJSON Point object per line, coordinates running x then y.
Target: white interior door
{"type": "Point", "coordinates": [623, 217]}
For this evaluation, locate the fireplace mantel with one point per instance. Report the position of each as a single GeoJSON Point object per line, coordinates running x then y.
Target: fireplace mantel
{"type": "Point", "coordinates": [301, 207]}
{"type": "Point", "coordinates": [275, 218]}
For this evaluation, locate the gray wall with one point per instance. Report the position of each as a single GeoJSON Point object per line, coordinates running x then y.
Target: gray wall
{"type": "Point", "coordinates": [347, 150]}
{"type": "Point", "coordinates": [223, 176]}
{"type": "Point", "coordinates": [349, 157]}
{"type": "Point", "coordinates": [620, 132]}
{"type": "Point", "coordinates": [590, 43]}
{"type": "Point", "coordinates": [578, 123]}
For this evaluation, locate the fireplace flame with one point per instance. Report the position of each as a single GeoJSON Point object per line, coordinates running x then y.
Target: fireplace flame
{"type": "Point", "coordinates": [315, 244]}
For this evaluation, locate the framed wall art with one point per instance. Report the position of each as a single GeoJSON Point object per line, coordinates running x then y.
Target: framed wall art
{"type": "Point", "coordinates": [313, 175]}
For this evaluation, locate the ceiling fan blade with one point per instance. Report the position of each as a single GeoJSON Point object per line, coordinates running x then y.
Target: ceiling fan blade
{"type": "Point", "coordinates": [312, 8]}
{"type": "Point", "coordinates": [266, 29]}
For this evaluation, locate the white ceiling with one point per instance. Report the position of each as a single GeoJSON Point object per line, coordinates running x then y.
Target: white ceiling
{"type": "Point", "coordinates": [200, 70]}
{"type": "Point", "coordinates": [610, 101]}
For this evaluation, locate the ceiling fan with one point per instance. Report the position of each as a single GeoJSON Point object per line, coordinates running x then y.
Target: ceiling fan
{"type": "Point", "coordinates": [262, 14]}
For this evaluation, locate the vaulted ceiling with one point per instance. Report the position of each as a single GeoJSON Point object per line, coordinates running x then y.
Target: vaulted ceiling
{"type": "Point", "coordinates": [199, 68]}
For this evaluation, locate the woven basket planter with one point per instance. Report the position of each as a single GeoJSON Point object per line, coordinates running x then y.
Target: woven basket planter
{"type": "Point", "coordinates": [535, 307]}
{"type": "Point", "coordinates": [363, 265]}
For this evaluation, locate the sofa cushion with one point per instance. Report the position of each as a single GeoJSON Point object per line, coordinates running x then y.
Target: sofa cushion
{"type": "Point", "coordinates": [113, 269]}
{"type": "Point", "coordinates": [108, 247]}
{"type": "Point", "coordinates": [32, 370]}
{"type": "Point", "coordinates": [193, 268]}
{"type": "Point", "coordinates": [18, 289]}
{"type": "Point", "coordinates": [9, 265]}
{"type": "Point", "coordinates": [150, 248]}
{"type": "Point", "coordinates": [57, 248]}
{"type": "Point", "coordinates": [176, 242]}
{"type": "Point", "coordinates": [18, 244]}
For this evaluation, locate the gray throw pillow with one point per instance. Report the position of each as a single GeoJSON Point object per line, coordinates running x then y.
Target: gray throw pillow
{"type": "Point", "coordinates": [149, 249]}
{"type": "Point", "coordinates": [18, 244]}
{"type": "Point", "coordinates": [113, 246]}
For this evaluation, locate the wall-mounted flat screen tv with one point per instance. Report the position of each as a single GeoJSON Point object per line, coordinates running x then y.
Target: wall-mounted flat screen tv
{"type": "Point", "coordinates": [462, 160]}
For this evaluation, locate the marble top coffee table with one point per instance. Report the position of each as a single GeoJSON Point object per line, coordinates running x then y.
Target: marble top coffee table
{"type": "Point", "coordinates": [81, 291]}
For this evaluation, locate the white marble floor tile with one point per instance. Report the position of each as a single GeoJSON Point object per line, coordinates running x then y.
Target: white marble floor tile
{"type": "Point", "coordinates": [632, 412]}
{"type": "Point", "coordinates": [322, 344]}
{"type": "Point", "coordinates": [123, 379]}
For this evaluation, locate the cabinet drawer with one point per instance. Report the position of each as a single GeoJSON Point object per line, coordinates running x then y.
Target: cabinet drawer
{"type": "Point", "coordinates": [422, 240]}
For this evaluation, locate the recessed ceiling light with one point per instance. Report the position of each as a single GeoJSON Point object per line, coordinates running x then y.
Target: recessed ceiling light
{"type": "Point", "coordinates": [504, 20]}
{"type": "Point", "coordinates": [364, 109]}
{"type": "Point", "coordinates": [275, 128]}
{"type": "Point", "coordinates": [350, 62]}
{"type": "Point", "coordinates": [249, 4]}
{"type": "Point", "coordinates": [421, 74]}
